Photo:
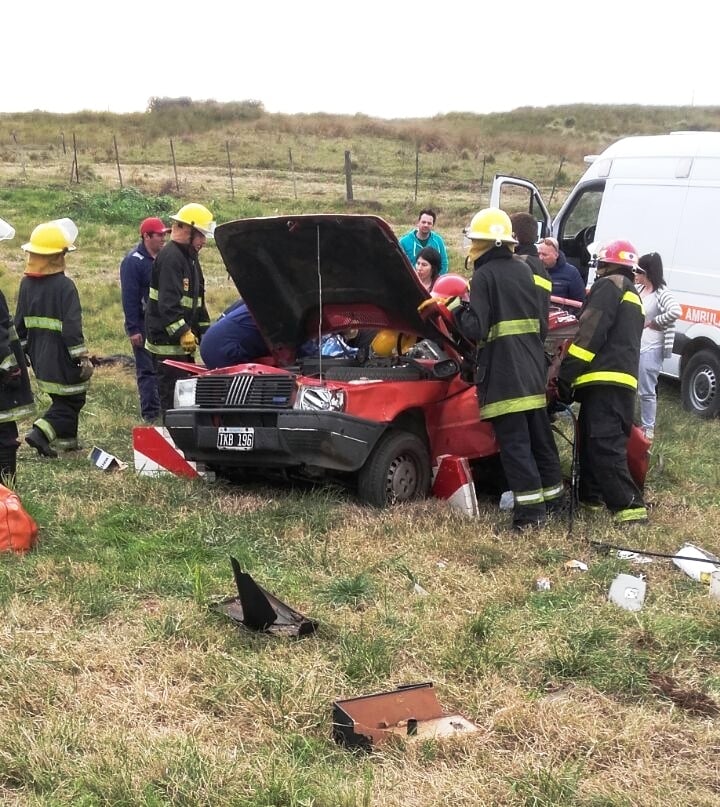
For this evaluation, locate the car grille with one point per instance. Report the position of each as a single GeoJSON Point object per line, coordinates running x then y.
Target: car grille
{"type": "Point", "coordinates": [245, 390]}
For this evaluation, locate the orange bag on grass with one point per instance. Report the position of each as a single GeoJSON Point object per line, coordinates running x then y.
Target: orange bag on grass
{"type": "Point", "coordinates": [18, 530]}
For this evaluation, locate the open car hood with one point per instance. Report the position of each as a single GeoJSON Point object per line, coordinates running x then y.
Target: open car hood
{"type": "Point", "coordinates": [299, 274]}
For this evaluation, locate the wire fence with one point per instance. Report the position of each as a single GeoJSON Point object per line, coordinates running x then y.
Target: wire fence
{"type": "Point", "coordinates": [224, 171]}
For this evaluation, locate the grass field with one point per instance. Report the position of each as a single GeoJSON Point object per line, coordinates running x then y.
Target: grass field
{"type": "Point", "coordinates": [119, 685]}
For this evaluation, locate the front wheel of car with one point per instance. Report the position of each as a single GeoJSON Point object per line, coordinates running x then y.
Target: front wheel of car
{"type": "Point", "coordinates": [397, 470]}
{"type": "Point", "coordinates": [700, 384]}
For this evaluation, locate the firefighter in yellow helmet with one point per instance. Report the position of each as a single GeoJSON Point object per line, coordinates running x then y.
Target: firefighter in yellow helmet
{"type": "Point", "coordinates": [48, 319]}
{"type": "Point", "coordinates": [177, 316]}
{"type": "Point", "coordinates": [507, 318]}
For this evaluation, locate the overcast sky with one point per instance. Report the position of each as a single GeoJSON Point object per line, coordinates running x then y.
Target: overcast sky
{"type": "Point", "coordinates": [391, 59]}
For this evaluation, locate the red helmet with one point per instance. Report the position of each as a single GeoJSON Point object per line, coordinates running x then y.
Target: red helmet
{"type": "Point", "coordinates": [622, 253]}
{"type": "Point", "coordinates": [451, 286]}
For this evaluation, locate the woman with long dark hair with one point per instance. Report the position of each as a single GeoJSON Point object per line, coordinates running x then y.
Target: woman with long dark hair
{"type": "Point", "coordinates": [661, 311]}
{"type": "Point", "coordinates": [428, 265]}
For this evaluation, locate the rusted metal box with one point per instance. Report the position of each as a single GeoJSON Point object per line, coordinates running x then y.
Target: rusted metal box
{"type": "Point", "coordinates": [411, 710]}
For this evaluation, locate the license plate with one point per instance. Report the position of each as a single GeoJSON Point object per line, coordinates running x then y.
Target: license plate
{"type": "Point", "coordinates": [236, 438]}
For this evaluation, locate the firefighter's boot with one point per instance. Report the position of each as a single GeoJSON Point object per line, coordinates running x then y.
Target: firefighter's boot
{"type": "Point", "coordinates": [37, 439]}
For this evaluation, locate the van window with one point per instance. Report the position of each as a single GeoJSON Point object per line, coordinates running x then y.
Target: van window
{"type": "Point", "coordinates": [583, 214]}
{"type": "Point", "coordinates": [576, 230]}
{"type": "Point", "coordinates": [523, 198]}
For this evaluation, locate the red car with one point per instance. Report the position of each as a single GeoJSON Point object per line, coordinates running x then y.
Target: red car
{"type": "Point", "coordinates": [377, 423]}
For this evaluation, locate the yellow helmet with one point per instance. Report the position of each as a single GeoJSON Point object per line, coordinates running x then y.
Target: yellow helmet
{"type": "Point", "coordinates": [491, 224]}
{"type": "Point", "coordinates": [52, 237]}
{"type": "Point", "coordinates": [196, 216]}
{"type": "Point", "coordinates": [386, 341]}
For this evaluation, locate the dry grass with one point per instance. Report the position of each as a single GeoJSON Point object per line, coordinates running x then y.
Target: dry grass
{"type": "Point", "coordinates": [140, 690]}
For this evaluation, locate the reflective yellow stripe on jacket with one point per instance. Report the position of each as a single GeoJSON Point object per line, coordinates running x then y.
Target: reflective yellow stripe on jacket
{"type": "Point", "coordinates": [580, 353]}
{"type": "Point", "coordinates": [513, 327]}
{"type": "Point", "coordinates": [52, 324]}
{"type": "Point", "coordinates": [543, 283]}
{"type": "Point", "coordinates": [607, 377]}
{"type": "Point", "coordinates": [46, 323]}
{"type": "Point", "coordinates": [511, 405]}
{"type": "Point", "coordinates": [54, 388]}
{"type": "Point", "coordinates": [633, 297]}
{"type": "Point", "coordinates": [165, 350]}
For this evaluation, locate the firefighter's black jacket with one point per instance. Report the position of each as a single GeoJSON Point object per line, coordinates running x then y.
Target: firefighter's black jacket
{"type": "Point", "coordinates": [606, 347]}
{"type": "Point", "coordinates": [48, 319]}
{"type": "Point", "coordinates": [177, 300]}
{"type": "Point", "coordinates": [507, 318]}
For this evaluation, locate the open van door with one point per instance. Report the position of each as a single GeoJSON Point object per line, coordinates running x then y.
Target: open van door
{"type": "Point", "coordinates": [575, 224]}
{"type": "Point", "coordinates": [517, 195]}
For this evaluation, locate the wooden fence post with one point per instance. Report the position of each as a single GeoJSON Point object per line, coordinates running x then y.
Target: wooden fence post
{"type": "Point", "coordinates": [75, 168]}
{"type": "Point", "coordinates": [417, 170]}
{"type": "Point", "coordinates": [482, 179]}
{"type": "Point", "coordinates": [232, 186]}
{"type": "Point", "coordinates": [348, 178]}
{"type": "Point", "coordinates": [21, 152]}
{"type": "Point", "coordinates": [172, 152]}
{"type": "Point", "coordinates": [556, 180]}
{"type": "Point", "coordinates": [117, 160]}
{"type": "Point", "coordinates": [292, 172]}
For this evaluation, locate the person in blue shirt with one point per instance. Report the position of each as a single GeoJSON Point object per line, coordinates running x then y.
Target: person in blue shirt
{"type": "Point", "coordinates": [423, 236]}
{"type": "Point", "coordinates": [135, 272]}
{"type": "Point", "coordinates": [566, 279]}
{"type": "Point", "coordinates": [233, 338]}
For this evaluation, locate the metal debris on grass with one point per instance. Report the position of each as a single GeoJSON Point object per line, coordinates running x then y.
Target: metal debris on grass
{"type": "Point", "coordinates": [700, 569]}
{"type": "Point", "coordinates": [411, 711]}
{"type": "Point", "coordinates": [105, 461]}
{"type": "Point", "coordinates": [257, 609]}
{"type": "Point", "coordinates": [633, 557]}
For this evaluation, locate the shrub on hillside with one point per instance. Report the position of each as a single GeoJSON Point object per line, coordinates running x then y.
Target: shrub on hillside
{"type": "Point", "coordinates": [124, 206]}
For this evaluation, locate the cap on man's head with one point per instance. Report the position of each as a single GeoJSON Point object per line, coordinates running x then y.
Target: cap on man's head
{"type": "Point", "coordinates": [153, 225]}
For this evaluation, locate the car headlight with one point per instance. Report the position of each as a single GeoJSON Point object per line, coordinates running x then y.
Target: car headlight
{"type": "Point", "coordinates": [184, 392]}
{"type": "Point", "coordinates": [320, 399]}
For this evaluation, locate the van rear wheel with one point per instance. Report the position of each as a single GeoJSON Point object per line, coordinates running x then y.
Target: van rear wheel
{"type": "Point", "coordinates": [700, 385]}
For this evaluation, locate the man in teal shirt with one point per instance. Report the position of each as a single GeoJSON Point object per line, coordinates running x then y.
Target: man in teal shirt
{"type": "Point", "coordinates": [423, 236]}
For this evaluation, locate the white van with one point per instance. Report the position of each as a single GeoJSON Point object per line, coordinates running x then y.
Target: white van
{"type": "Point", "coordinates": [662, 193]}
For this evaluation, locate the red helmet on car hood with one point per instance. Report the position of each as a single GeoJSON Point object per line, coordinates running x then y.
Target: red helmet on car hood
{"type": "Point", "coordinates": [451, 286]}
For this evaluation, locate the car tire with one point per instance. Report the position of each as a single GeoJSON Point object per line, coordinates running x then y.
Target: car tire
{"type": "Point", "coordinates": [397, 470]}
{"type": "Point", "coordinates": [700, 384]}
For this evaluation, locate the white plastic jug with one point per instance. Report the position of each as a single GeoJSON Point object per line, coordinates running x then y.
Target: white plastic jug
{"type": "Point", "coordinates": [628, 592]}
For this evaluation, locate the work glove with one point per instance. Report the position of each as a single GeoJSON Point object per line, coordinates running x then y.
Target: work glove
{"type": "Point", "coordinates": [431, 308]}
{"type": "Point", "coordinates": [86, 368]}
{"type": "Point", "coordinates": [189, 342]}
{"type": "Point", "coordinates": [564, 391]}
